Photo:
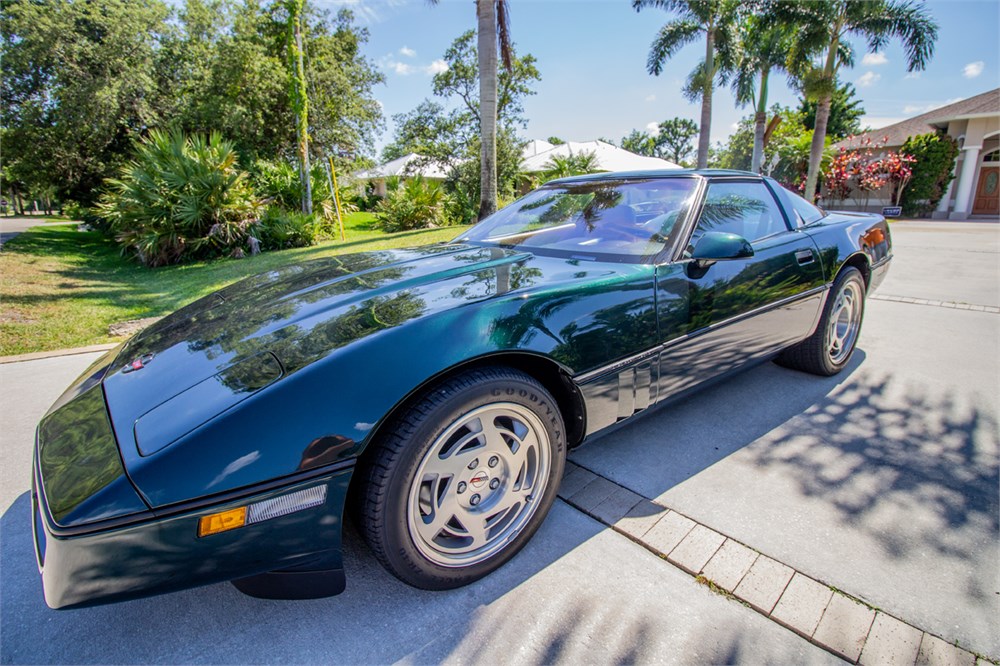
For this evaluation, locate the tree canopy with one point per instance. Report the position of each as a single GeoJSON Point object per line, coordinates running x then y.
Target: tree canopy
{"type": "Point", "coordinates": [845, 113]}
{"type": "Point", "coordinates": [673, 141]}
{"type": "Point", "coordinates": [83, 79]}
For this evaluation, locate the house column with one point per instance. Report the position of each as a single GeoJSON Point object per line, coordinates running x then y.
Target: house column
{"type": "Point", "coordinates": [966, 182]}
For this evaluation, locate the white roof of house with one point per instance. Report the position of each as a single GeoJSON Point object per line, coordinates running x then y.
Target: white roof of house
{"type": "Point", "coordinates": [537, 154]}
{"type": "Point", "coordinates": [407, 165]}
{"type": "Point", "coordinates": [609, 158]}
{"type": "Point", "coordinates": [536, 146]}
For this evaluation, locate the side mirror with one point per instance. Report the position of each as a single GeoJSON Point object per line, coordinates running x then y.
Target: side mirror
{"type": "Point", "coordinates": [719, 246]}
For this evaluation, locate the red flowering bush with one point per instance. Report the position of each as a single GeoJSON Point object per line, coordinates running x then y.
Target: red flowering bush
{"type": "Point", "coordinates": [858, 173]}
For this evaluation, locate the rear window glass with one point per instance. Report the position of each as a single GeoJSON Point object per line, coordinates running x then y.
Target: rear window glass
{"type": "Point", "coordinates": [806, 212]}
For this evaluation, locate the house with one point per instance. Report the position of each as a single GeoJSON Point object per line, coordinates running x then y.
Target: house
{"type": "Point", "coordinates": [975, 124]}
{"type": "Point", "coordinates": [406, 166]}
{"type": "Point", "coordinates": [536, 158]}
{"type": "Point", "coordinates": [607, 156]}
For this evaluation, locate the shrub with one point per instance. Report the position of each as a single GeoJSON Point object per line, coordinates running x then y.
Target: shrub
{"type": "Point", "coordinates": [279, 184]}
{"type": "Point", "coordinates": [279, 229]}
{"type": "Point", "coordinates": [180, 198]}
{"type": "Point", "coordinates": [933, 170]}
{"type": "Point", "coordinates": [859, 173]}
{"type": "Point", "coordinates": [413, 204]}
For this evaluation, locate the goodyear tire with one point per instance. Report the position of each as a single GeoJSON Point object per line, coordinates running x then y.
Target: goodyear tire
{"type": "Point", "coordinates": [464, 478]}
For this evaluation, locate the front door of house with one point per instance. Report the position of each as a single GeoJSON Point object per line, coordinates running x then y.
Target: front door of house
{"type": "Point", "coordinates": [987, 201]}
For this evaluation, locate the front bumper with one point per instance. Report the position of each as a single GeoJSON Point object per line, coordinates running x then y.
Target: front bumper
{"type": "Point", "coordinates": [119, 560]}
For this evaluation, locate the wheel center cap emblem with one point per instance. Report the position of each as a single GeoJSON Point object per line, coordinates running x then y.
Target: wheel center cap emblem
{"type": "Point", "coordinates": [479, 479]}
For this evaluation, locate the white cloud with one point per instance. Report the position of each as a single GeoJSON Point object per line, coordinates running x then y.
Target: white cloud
{"type": "Point", "coordinates": [912, 75]}
{"type": "Point", "coordinates": [973, 69]}
{"type": "Point", "coordinates": [390, 64]}
{"type": "Point", "coordinates": [407, 52]}
{"type": "Point", "coordinates": [650, 98]}
{"type": "Point", "coordinates": [869, 79]}
{"type": "Point", "coordinates": [653, 128]}
{"type": "Point", "coordinates": [436, 67]}
{"type": "Point", "coordinates": [874, 59]}
{"type": "Point", "coordinates": [369, 11]}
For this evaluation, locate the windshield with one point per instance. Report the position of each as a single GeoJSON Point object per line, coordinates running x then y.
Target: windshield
{"type": "Point", "coordinates": [627, 221]}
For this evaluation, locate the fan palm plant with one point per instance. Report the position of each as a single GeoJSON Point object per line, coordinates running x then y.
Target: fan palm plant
{"type": "Point", "coordinates": [180, 198]}
{"type": "Point", "coordinates": [711, 18]}
{"type": "Point", "coordinates": [826, 25]}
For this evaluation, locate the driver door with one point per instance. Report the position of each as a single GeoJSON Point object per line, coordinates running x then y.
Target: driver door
{"type": "Point", "coordinates": [716, 318]}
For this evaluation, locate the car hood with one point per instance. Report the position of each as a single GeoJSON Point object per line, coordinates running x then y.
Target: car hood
{"type": "Point", "coordinates": [206, 357]}
{"type": "Point", "coordinates": [277, 310]}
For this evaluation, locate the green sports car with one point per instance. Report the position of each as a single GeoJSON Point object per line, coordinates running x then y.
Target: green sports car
{"type": "Point", "coordinates": [432, 392]}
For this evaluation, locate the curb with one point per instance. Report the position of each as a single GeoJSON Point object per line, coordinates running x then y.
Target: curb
{"type": "Point", "coordinates": [955, 305]}
{"type": "Point", "coordinates": [829, 618]}
{"type": "Point", "coordinates": [34, 356]}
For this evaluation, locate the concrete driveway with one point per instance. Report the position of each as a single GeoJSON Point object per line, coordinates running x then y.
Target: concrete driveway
{"type": "Point", "coordinates": [882, 482]}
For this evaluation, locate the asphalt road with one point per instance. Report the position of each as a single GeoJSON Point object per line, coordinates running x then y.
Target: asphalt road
{"type": "Point", "coordinates": [12, 226]}
{"type": "Point", "coordinates": [882, 482]}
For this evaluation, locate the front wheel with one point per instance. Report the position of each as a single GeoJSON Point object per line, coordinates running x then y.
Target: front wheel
{"type": "Point", "coordinates": [464, 479]}
{"type": "Point", "coordinates": [831, 346]}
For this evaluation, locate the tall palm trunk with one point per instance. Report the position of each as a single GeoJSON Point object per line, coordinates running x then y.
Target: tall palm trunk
{"type": "Point", "coordinates": [816, 149]}
{"type": "Point", "coordinates": [487, 45]}
{"type": "Point", "coordinates": [300, 101]}
{"type": "Point", "coordinates": [760, 123]}
{"type": "Point", "coordinates": [706, 99]}
{"type": "Point", "coordinates": [822, 116]}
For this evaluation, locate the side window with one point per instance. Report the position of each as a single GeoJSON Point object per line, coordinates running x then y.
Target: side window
{"type": "Point", "coordinates": [744, 209]}
{"type": "Point", "coordinates": [806, 212]}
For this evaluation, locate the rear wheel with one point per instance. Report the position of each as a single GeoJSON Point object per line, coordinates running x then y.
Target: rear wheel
{"type": "Point", "coordinates": [464, 479]}
{"type": "Point", "coordinates": [831, 346]}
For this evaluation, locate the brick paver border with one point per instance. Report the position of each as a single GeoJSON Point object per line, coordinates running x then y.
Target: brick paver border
{"type": "Point", "coordinates": [818, 612]}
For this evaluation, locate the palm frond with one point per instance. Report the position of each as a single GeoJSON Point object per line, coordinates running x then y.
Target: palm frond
{"type": "Point", "coordinates": [503, 35]}
{"type": "Point", "coordinates": [908, 21]}
{"type": "Point", "coordinates": [672, 37]}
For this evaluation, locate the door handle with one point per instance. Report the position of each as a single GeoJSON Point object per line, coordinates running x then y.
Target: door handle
{"type": "Point", "coordinates": [805, 257]}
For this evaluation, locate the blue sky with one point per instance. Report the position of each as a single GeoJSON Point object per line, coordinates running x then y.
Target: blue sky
{"type": "Point", "coordinates": [592, 57]}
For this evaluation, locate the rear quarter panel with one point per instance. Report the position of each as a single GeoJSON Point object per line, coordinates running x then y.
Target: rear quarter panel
{"type": "Point", "coordinates": [844, 238]}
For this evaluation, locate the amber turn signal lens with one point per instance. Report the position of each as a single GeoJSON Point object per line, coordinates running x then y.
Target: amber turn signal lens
{"type": "Point", "coordinates": [221, 522]}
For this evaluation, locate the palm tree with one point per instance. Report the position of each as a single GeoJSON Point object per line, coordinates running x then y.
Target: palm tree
{"type": "Point", "coordinates": [300, 98]}
{"type": "Point", "coordinates": [826, 26]}
{"type": "Point", "coordinates": [493, 34]}
{"type": "Point", "coordinates": [762, 47]}
{"type": "Point", "coordinates": [570, 165]}
{"type": "Point", "coordinates": [696, 17]}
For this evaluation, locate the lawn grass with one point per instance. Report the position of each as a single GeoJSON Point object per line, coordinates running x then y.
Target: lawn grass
{"type": "Point", "coordinates": [62, 288]}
